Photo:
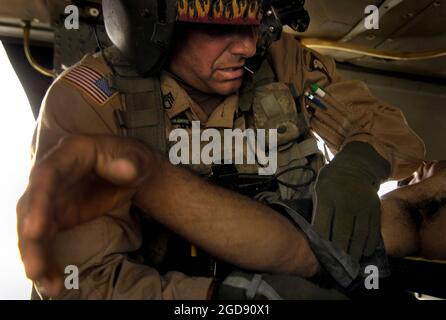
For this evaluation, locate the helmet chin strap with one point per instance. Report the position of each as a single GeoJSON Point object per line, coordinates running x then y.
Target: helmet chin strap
{"type": "Point", "coordinates": [290, 12]}
{"type": "Point", "coordinates": [276, 14]}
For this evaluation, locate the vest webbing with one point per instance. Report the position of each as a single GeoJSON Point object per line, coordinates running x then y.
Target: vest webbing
{"type": "Point", "coordinates": [144, 110]}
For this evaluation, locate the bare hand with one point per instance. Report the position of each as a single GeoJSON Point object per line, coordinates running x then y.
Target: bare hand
{"type": "Point", "coordinates": [82, 178]}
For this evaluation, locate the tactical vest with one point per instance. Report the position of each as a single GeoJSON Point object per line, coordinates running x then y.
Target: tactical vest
{"type": "Point", "coordinates": [264, 103]}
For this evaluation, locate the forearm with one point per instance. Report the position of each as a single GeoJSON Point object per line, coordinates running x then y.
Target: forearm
{"type": "Point", "coordinates": [225, 224]}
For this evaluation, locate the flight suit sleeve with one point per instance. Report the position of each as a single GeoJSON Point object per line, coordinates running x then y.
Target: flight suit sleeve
{"type": "Point", "coordinates": [65, 111]}
{"type": "Point", "coordinates": [348, 112]}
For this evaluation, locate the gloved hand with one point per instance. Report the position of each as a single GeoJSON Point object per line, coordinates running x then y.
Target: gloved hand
{"type": "Point", "coordinates": [346, 205]}
{"type": "Point", "coordinates": [241, 285]}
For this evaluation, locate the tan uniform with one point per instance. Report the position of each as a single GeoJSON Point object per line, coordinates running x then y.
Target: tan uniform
{"type": "Point", "coordinates": [99, 248]}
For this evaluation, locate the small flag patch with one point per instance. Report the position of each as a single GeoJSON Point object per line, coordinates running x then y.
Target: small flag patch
{"type": "Point", "coordinates": [92, 82]}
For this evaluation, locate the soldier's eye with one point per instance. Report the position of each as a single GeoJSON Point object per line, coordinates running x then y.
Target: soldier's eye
{"type": "Point", "coordinates": [215, 30]}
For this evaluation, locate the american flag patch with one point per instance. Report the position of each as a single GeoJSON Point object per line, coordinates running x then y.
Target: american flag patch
{"type": "Point", "coordinates": [92, 82]}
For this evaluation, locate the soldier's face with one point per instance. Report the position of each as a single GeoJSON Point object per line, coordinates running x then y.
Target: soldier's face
{"type": "Point", "coordinates": [210, 57]}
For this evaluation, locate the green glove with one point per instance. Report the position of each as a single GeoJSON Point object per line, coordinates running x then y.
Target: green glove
{"type": "Point", "coordinates": [249, 286]}
{"type": "Point", "coordinates": [347, 207]}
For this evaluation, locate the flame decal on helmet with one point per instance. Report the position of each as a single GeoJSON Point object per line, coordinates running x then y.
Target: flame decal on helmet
{"type": "Point", "coordinates": [220, 11]}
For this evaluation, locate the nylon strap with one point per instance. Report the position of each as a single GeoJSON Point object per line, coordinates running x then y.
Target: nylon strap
{"type": "Point", "coordinates": [144, 114]}
{"type": "Point", "coordinates": [337, 263]}
{"type": "Point", "coordinates": [263, 288]}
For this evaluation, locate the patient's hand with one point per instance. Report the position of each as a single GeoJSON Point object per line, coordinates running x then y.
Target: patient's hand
{"type": "Point", "coordinates": [80, 179]}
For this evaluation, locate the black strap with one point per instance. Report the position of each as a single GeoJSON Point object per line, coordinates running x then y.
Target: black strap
{"type": "Point", "coordinates": [144, 112]}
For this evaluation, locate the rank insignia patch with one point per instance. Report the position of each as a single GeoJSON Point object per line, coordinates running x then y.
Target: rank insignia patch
{"type": "Point", "coordinates": [168, 100]}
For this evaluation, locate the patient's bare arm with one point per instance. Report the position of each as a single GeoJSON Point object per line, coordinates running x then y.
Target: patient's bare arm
{"type": "Point", "coordinates": [86, 177]}
{"type": "Point", "coordinates": [414, 217]}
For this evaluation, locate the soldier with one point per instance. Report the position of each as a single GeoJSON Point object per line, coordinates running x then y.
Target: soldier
{"type": "Point", "coordinates": [227, 65]}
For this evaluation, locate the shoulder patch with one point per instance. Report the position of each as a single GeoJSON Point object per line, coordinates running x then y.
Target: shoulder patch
{"type": "Point", "coordinates": [91, 82]}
